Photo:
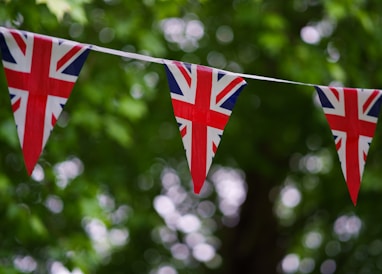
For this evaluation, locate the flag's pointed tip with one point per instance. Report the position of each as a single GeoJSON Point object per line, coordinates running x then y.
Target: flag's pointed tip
{"type": "Point", "coordinates": [197, 190]}
{"type": "Point", "coordinates": [353, 191]}
{"type": "Point", "coordinates": [198, 186]}
{"type": "Point", "coordinates": [30, 168]}
{"type": "Point", "coordinates": [354, 197]}
{"type": "Point", "coordinates": [30, 164]}
{"type": "Point", "coordinates": [29, 171]}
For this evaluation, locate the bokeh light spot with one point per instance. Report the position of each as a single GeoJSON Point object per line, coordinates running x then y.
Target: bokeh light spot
{"type": "Point", "coordinates": [203, 252]}
{"type": "Point", "coordinates": [290, 263]}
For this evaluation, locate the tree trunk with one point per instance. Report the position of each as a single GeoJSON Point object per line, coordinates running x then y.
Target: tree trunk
{"type": "Point", "coordinates": [254, 245]}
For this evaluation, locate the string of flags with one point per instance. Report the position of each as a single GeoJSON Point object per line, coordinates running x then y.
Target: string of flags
{"type": "Point", "coordinates": [41, 72]}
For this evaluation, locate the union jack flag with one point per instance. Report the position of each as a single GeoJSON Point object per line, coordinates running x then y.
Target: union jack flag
{"type": "Point", "coordinates": [202, 99]}
{"type": "Point", "coordinates": [41, 72]}
{"type": "Point", "coordinates": [352, 115]}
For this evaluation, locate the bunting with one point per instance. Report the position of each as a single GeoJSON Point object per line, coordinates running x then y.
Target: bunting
{"type": "Point", "coordinates": [202, 99]}
{"type": "Point", "coordinates": [352, 115]}
{"type": "Point", "coordinates": [41, 72]}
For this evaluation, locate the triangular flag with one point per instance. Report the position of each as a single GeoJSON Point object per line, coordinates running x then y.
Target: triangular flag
{"type": "Point", "coordinates": [202, 99]}
{"type": "Point", "coordinates": [352, 115]}
{"type": "Point", "coordinates": [41, 72]}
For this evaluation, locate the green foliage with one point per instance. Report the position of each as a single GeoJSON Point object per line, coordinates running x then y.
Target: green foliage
{"type": "Point", "coordinates": [112, 191]}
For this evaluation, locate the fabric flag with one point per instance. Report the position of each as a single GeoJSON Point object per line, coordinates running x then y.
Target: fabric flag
{"type": "Point", "coordinates": [41, 72]}
{"type": "Point", "coordinates": [202, 99]}
{"type": "Point", "coordinates": [352, 115]}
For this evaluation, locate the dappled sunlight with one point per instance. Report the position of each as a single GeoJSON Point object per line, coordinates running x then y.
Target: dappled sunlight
{"type": "Point", "coordinates": [185, 32]}
{"type": "Point", "coordinates": [118, 237]}
{"type": "Point", "coordinates": [183, 212]}
{"type": "Point", "coordinates": [119, 215]}
{"type": "Point", "coordinates": [290, 196]}
{"type": "Point", "coordinates": [38, 173]}
{"type": "Point", "coordinates": [109, 233]}
{"type": "Point", "coordinates": [180, 251]}
{"type": "Point", "coordinates": [188, 223]}
{"type": "Point", "coordinates": [206, 209]}
{"type": "Point", "coordinates": [54, 204]}
{"type": "Point", "coordinates": [290, 263]}
{"type": "Point", "coordinates": [169, 178]}
{"type": "Point", "coordinates": [167, 269]}
{"type": "Point", "coordinates": [313, 240]}
{"type": "Point", "coordinates": [68, 170]}
{"type": "Point", "coordinates": [165, 235]}
{"type": "Point", "coordinates": [347, 227]}
{"type": "Point", "coordinates": [333, 53]}
{"type": "Point", "coordinates": [180, 212]}
{"type": "Point", "coordinates": [151, 79]}
{"type": "Point", "coordinates": [106, 202]}
{"type": "Point", "coordinates": [315, 163]}
{"type": "Point", "coordinates": [314, 32]}
{"type": "Point", "coordinates": [58, 268]}
{"type": "Point", "coordinates": [104, 239]}
{"type": "Point", "coordinates": [203, 252]}
{"type": "Point", "coordinates": [97, 232]}
{"type": "Point", "coordinates": [25, 263]}
{"type": "Point", "coordinates": [310, 35]}
{"type": "Point", "coordinates": [194, 239]}
{"type": "Point", "coordinates": [164, 205]}
{"type": "Point", "coordinates": [231, 189]}
{"type": "Point", "coordinates": [312, 163]}
{"type": "Point", "coordinates": [137, 91]}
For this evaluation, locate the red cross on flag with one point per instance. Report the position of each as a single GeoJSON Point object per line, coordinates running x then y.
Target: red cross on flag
{"type": "Point", "coordinates": [352, 115]}
{"type": "Point", "coordinates": [41, 72]}
{"type": "Point", "coordinates": [202, 99]}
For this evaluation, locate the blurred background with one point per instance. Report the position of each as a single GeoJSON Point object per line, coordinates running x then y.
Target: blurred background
{"type": "Point", "coordinates": [112, 191]}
